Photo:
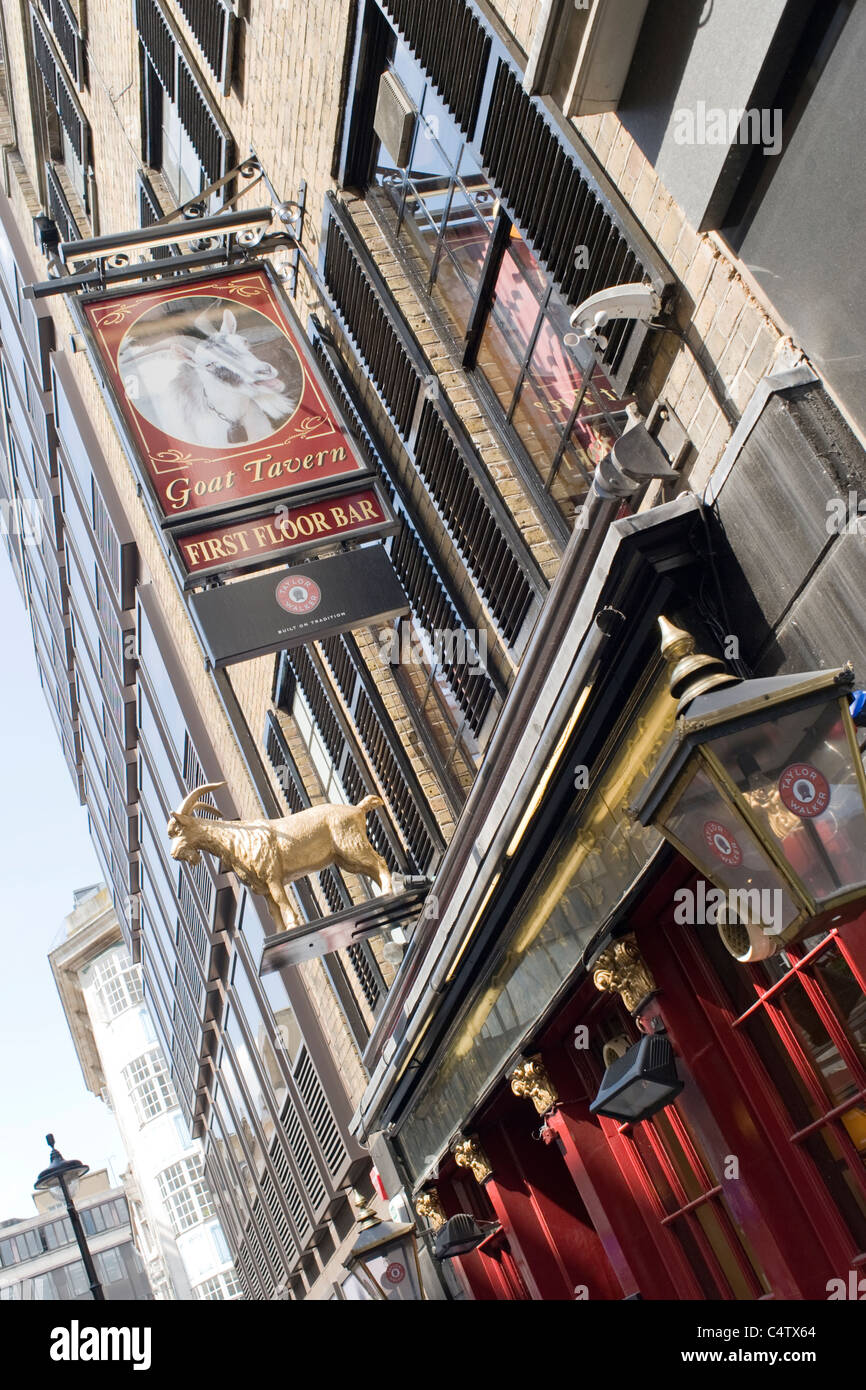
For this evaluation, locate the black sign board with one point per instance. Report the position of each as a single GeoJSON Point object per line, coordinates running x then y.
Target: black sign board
{"type": "Point", "coordinates": [286, 608]}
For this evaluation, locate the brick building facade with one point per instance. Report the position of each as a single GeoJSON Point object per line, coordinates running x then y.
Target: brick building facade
{"type": "Point", "coordinates": [460, 202]}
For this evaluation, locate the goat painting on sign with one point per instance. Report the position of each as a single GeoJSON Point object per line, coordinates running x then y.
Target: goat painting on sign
{"type": "Point", "coordinates": [208, 373]}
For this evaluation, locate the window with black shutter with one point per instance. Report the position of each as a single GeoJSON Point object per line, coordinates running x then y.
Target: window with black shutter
{"type": "Point", "coordinates": [67, 131]}
{"type": "Point", "coordinates": [149, 212]}
{"type": "Point", "coordinates": [59, 209]}
{"type": "Point", "coordinates": [506, 222]}
{"type": "Point", "coordinates": [448, 697]}
{"type": "Point", "coordinates": [472, 513]}
{"type": "Point", "coordinates": [213, 23]}
{"type": "Point", "coordinates": [184, 135]}
{"type": "Point", "coordinates": [68, 36]}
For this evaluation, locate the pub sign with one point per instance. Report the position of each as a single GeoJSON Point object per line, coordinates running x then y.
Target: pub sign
{"type": "Point", "coordinates": [218, 393]}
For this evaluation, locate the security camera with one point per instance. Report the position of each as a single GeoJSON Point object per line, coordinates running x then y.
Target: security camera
{"type": "Point", "coordinates": [635, 301]}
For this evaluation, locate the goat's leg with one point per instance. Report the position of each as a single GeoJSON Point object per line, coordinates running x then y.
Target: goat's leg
{"type": "Point", "coordinates": [288, 915]}
{"type": "Point", "coordinates": [363, 859]}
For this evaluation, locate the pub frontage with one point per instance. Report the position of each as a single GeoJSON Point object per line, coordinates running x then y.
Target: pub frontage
{"type": "Point", "coordinates": [597, 1086]}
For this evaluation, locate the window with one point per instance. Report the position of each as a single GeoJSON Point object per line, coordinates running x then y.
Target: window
{"type": "Point", "coordinates": [184, 135]}
{"type": "Point", "coordinates": [117, 982]}
{"type": "Point", "coordinates": [688, 1200]}
{"type": "Point", "coordinates": [804, 1012]}
{"type": "Point", "coordinates": [337, 764]}
{"type": "Point", "coordinates": [109, 1267]}
{"type": "Point", "coordinates": [500, 303]}
{"type": "Point", "coordinates": [68, 36]}
{"type": "Point", "coordinates": [149, 1085]}
{"type": "Point", "coordinates": [66, 129]}
{"type": "Point", "coordinates": [315, 746]}
{"type": "Point", "coordinates": [184, 1192]}
{"type": "Point", "coordinates": [105, 1217]}
{"type": "Point", "coordinates": [219, 1286]}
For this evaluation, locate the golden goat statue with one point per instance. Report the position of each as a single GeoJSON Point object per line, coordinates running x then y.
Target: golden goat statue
{"type": "Point", "coordinates": [267, 855]}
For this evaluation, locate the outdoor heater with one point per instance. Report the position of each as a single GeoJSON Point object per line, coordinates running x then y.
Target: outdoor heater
{"type": "Point", "coordinates": [762, 788]}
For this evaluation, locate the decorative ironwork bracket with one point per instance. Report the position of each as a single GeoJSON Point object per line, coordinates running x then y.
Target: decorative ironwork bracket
{"type": "Point", "coordinates": [225, 238]}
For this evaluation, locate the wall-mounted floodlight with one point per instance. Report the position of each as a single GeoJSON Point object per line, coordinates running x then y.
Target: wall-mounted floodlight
{"type": "Point", "coordinates": [634, 301]}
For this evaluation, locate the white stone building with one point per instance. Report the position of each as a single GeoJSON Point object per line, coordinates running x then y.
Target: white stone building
{"type": "Point", "coordinates": [176, 1230]}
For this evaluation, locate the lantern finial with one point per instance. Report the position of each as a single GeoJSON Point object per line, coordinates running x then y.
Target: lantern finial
{"type": "Point", "coordinates": [693, 673]}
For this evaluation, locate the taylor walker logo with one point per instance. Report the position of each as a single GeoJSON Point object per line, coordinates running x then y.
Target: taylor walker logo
{"type": "Point", "coordinates": [298, 594]}
{"type": "Point", "coordinates": [711, 125]}
{"type": "Point", "coordinates": [804, 790]}
{"type": "Point", "coordinates": [722, 844]}
{"type": "Point", "coordinates": [705, 905]}
{"type": "Point", "coordinates": [77, 1343]}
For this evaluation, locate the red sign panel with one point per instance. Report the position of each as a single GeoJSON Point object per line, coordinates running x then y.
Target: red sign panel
{"type": "Point", "coordinates": [283, 530]}
{"type": "Point", "coordinates": [217, 391]}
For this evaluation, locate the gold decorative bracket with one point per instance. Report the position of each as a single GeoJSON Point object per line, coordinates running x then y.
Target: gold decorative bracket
{"type": "Point", "coordinates": [622, 970]}
{"type": "Point", "coordinates": [530, 1079]}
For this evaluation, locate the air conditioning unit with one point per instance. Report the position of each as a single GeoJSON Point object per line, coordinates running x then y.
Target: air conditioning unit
{"type": "Point", "coordinates": [394, 121]}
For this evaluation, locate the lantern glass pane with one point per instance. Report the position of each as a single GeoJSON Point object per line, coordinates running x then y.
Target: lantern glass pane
{"type": "Point", "coordinates": [722, 846]}
{"type": "Point", "coordinates": [393, 1268]}
{"type": "Point", "coordinates": [357, 1290]}
{"type": "Point", "coordinates": [798, 775]}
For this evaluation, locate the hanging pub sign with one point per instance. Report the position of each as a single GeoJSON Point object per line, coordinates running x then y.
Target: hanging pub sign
{"type": "Point", "coordinates": [288, 607]}
{"type": "Point", "coordinates": [218, 392]}
{"type": "Point", "coordinates": [256, 538]}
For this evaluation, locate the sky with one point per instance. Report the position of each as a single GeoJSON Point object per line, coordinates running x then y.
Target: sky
{"type": "Point", "coordinates": [45, 854]}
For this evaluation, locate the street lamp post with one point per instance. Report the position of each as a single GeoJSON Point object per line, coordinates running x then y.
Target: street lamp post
{"type": "Point", "coordinates": [63, 1176]}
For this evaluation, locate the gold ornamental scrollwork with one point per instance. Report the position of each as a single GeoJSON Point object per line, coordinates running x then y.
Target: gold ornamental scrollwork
{"type": "Point", "coordinates": [622, 970]}
{"type": "Point", "coordinates": [430, 1208]}
{"type": "Point", "coordinates": [530, 1079]}
{"type": "Point", "coordinates": [468, 1153]}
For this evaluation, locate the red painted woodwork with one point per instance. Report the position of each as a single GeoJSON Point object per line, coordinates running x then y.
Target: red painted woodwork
{"type": "Point", "coordinates": [794, 1227]}
{"type": "Point", "coordinates": [552, 1238]}
{"type": "Point", "coordinates": [655, 1209]}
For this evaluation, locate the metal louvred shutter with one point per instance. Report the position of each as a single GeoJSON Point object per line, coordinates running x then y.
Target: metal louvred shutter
{"type": "Point", "coordinates": [479, 534]}
{"type": "Point", "coordinates": [199, 124]}
{"type": "Point", "coordinates": [212, 22]}
{"type": "Point", "coordinates": [319, 1113]}
{"type": "Point", "coordinates": [450, 42]}
{"type": "Point", "coordinates": [60, 93]}
{"type": "Point", "coordinates": [158, 42]}
{"type": "Point", "coordinates": [58, 208]}
{"type": "Point", "coordinates": [431, 606]}
{"type": "Point", "coordinates": [368, 324]}
{"type": "Point", "coordinates": [67, 33]}
{"type": "Point", "coordinates": [554, 202]}
{"type": "Point", "coordinates": [378, 737]}
{"type": "Point", "coordinates": [44, 57]}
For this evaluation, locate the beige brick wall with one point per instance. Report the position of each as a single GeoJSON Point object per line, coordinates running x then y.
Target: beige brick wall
{"type": "Point", "coordinates": [284, 75]}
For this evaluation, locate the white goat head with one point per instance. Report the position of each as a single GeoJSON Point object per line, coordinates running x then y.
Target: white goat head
{"type": "Point", "coordinates": [185, 828]}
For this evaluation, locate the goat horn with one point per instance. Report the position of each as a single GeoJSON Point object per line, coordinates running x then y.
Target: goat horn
{"type": "Point", "coordinates": [188, 804]}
